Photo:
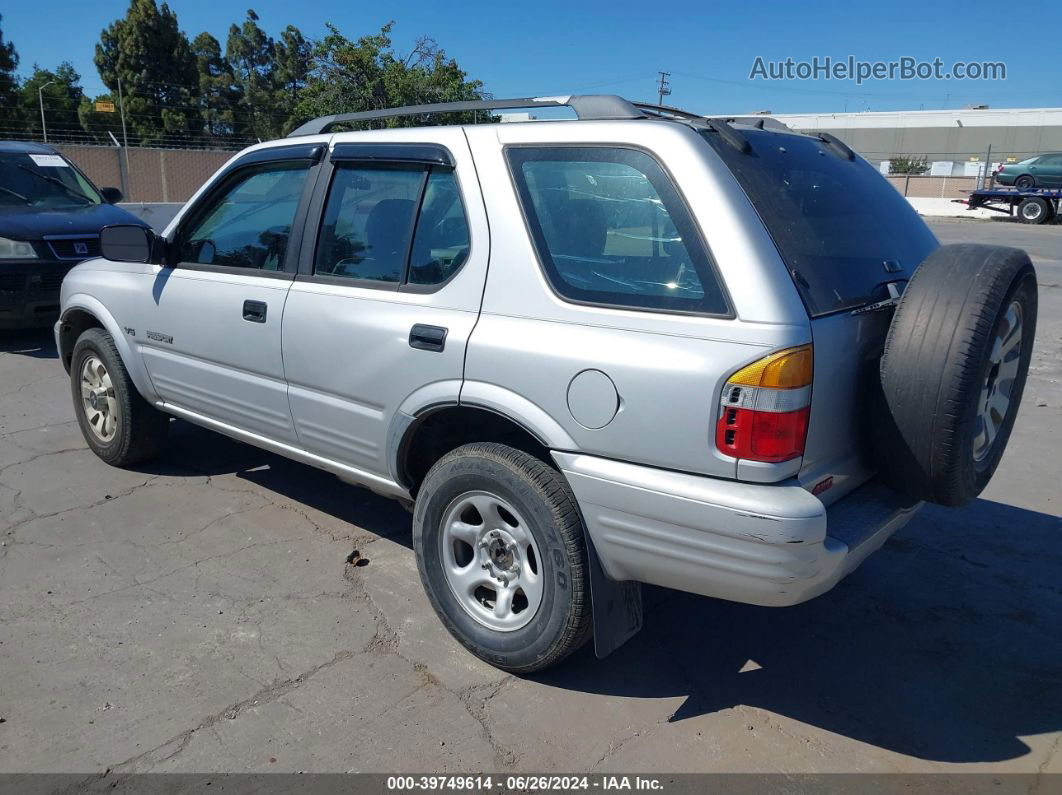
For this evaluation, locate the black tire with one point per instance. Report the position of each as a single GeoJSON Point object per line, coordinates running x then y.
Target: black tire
{"type": "Point", "coordinates": [1025, 182]}
{"type": "Point", "coordinates": [140, 429]}
{"type": "Point", "coordinates": [930, 441]}
{"type": "Point", "coordinates": [1034, 211]}
{"type": "Point", "coordinates": [562, 622]}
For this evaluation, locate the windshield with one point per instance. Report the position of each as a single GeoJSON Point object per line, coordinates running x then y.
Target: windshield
{"type": "Point", "coordinates": [44, 181]}
{"type": "Point", "coordinates": [841, 228]}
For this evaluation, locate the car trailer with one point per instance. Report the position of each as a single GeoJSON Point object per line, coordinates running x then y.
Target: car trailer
{"type": "Point", "coordinates": [1032, 205]}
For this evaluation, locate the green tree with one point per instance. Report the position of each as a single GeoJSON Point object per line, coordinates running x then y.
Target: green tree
{"type": "Point", "coordinates": [8, 80]}
{"type": "Point", "coordinates": [97, 124]}
{"type": "Point", "coordinates": [61, 95]}
{"type": "Point", "coordinates": [293, 60]}
{"type": "Point", "coordinates": [219, 94]}
{"type": "Point", "coordinates": [908, 164]}
{"type": "Point", "coordinates": [250, 52]}
{"type": "Point", "coordinates": [147, 51]}
{"type": "Point", "coordinates": [367, 74]}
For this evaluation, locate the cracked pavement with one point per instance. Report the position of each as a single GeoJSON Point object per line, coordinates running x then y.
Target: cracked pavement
{"type": "Point", "coordinates": [198, 615]}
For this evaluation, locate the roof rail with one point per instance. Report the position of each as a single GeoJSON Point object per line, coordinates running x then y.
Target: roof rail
{"type": "Point", "coordinates": [586, 106]}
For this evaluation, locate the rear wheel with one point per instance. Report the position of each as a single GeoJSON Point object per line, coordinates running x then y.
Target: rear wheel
{"type": "Point", "coordinates": [1025, 182]}
{"type": "Point", "coordinates": [954, 369]}
{"type": "Point", "coordinates": [1034, 211]}
{"type": "Point", "coordinates": [118, 424]}
{"type": "Point", "coordinates": [500, 549]}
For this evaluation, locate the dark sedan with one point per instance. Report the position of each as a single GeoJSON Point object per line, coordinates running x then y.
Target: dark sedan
{"type": "Point", "coordinates": [50, 220]}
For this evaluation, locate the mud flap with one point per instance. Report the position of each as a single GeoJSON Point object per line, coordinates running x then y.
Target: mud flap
{"type": "Point", "coordinates": [617, 607]}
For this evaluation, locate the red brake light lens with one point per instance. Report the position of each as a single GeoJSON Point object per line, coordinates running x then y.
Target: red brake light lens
{"type": "Point", "coordinates": [764, 416]}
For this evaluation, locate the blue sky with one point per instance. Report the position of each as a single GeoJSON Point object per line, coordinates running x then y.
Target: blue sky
{"type": "Point", "coordinates": [549, 47]}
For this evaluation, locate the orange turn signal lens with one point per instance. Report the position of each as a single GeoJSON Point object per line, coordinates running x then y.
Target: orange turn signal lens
{"type": "Point", "coordinates": [788, 369]}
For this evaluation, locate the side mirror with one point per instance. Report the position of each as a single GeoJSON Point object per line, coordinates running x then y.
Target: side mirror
{"type": "Point", "coordinates": [111, 195]}
{"type": "Point", "coordinates": [127, 243]}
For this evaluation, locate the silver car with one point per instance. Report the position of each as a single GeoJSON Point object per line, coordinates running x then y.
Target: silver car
{"type": "Point", "coordinates": [636, 346]}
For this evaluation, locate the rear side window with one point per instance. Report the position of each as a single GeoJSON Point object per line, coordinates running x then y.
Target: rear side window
{"type": "Point", "coordinates": [840, 227]}
{"type": "Point", "coordinates": [393, 225]}
{"type": "Point", "coordinates": [611, 229]}
{"type": "Point", "coordinates": [368, 223]}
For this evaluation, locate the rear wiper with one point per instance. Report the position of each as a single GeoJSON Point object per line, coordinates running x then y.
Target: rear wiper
{"type": "Point", "coordinates": [895, 293]}
{"type": "Point", "coordinates": [16, 195]}
{"type": "Point", "coordinates": [58, 182]}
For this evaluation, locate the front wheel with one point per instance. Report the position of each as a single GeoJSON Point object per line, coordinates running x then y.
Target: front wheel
{"type": "Point", "coordinates": [118, 424]}
{"type": "Point", "coordinates": [500, 549]}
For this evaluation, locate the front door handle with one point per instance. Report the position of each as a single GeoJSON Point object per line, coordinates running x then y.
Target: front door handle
{"type": "Point", "coordinates": [427, 338]}
{"type": "Point", "coordinates": [254, 311]}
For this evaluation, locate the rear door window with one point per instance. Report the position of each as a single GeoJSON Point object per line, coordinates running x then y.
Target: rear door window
{"type": "Point", "coordinates": [841, 228]}
{"type": "Point", "coordinates": [611, 229]}
{"type": "Point", "coordinates": [392, 225]}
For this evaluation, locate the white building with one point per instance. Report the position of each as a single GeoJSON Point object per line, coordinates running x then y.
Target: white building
{"type": "Point", "coordinates": [960, 137]}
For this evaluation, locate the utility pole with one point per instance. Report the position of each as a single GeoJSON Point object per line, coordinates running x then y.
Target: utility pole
{"type": "Point", "coordinates": [121, 111]}
{"type": "Point", "coordinates": [664, 89]}
{"type": "Point", "coordinates": [40, 99]}
{"type": "Point", "coordinates": [123, 156]}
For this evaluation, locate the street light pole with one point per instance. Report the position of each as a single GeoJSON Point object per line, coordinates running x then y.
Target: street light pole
{"type": "Point", "coordinates": [40, 99]}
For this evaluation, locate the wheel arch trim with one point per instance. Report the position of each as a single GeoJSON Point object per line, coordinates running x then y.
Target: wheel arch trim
{"type": "Point", "coordinates": [474, 395]}
{"type": "Point", "coordinates": [130, 358]}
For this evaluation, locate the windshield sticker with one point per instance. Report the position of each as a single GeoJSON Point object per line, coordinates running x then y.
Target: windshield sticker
{"type": "Point", "coordinates": [49, 161]}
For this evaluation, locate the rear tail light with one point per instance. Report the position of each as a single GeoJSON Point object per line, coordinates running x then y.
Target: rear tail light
{"type": "Point", "coordinates": [764, 408]}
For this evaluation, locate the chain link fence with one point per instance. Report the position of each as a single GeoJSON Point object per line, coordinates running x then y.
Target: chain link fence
{"type": "Point", "coordinates": [146, 174]}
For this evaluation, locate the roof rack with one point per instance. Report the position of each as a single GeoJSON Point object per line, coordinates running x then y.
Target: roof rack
{"type": "Point", "coordinates": [586, 106]}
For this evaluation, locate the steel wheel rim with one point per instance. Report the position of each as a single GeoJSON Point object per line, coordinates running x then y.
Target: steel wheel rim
{"type": "Point", "coordinates": [97, 399]}
{"type": "Point", "coordinates": [998, 385]}
{"type": "Point", "coordinates": [1032, 211]}
{"type": "Point", "coordinates": [491, 561]}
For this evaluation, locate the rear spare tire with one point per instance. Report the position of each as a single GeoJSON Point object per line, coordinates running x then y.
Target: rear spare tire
{"type": "Point", "coordinates": [953, 371]}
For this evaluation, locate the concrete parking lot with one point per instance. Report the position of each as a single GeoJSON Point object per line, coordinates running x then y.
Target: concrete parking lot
{"type": "Point", "coordinates": [198, 614]}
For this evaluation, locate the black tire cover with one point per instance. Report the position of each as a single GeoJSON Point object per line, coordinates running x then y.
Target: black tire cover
{"type": "Point", "coordinates": [937, 365]}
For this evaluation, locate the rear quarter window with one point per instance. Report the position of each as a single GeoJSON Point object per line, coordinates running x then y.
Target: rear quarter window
{"type": "Point", "coordinates": [842, 230]}
{"type": "Point", "coordinates": [611, 229]}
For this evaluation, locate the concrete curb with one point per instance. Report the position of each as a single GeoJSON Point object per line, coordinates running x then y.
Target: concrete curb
{"type": "Point", "coordinates": [946, 208]}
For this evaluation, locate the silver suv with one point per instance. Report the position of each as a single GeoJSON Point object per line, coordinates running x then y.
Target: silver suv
{"type": "Point", "coordinates": [640, 346]}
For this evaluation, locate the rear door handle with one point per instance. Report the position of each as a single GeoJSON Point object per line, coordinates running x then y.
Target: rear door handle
{"type": "Point", "coordinates": [254, 311]}
{"type": "Point", "coordinates": [427, 338]}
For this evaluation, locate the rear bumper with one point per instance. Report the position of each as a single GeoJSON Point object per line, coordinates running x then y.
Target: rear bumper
{"type": "Point", "coordinates": [767, 545]}
{"type": "Point", "coordinates": [29, 292]}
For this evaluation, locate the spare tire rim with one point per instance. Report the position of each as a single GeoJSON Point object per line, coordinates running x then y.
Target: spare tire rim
{"type": "Point", "coordinates": [1002, 372]}
{"type": "Point", "coordinates": [491, 561]}
{"type": "Point", "coordinates": [97, 399]}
